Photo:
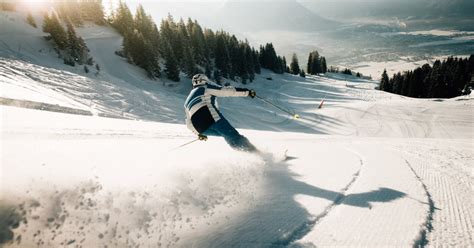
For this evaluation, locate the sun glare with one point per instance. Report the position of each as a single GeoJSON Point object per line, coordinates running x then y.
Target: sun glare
{"type": "Point", "coordinates": [35, 5]}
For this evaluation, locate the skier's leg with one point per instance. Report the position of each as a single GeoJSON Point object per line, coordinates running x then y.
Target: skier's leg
{"type": "Point", "coordinates": [232, 136]}
{"type": "Point", "coordinates": [211, 131]}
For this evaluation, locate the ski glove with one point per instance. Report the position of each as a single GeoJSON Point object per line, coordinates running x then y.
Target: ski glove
{"type": "Point", "coordinates": [252, 93]}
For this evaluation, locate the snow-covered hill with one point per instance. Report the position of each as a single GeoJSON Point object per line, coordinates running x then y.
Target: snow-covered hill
{"type": "Point", "coordinates": [368, 169]}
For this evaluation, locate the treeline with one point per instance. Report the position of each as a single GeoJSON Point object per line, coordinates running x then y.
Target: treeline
{"type": "Point", "coordinates": [79, 11]}
{"type": "Point", "coordinates": [445, 79]}
{"type": "Point", "coordinates": [295, 66]}
{"type": "Point", "coordinates": [187, 47]}
{"type": "Point", "coordinates": [69, 45]}
{"type": "Point", "coordinates": [171, 48]}
{"type": "Point", "coordinates": [141, 40]}
{"type": "Point", "coordinates": [316, 64]}
{"type": "Point", "coordinates": [270, 60]}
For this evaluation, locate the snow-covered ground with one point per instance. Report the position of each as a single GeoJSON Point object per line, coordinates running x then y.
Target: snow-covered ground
{"type": "Point", "coordinates": [368, 169]}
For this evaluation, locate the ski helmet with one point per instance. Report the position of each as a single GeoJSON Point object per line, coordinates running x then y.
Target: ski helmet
{"type": "Point", "coordinates": [199, 79]}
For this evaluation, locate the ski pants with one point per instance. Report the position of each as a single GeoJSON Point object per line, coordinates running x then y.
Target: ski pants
{"type": "Point", "coordinates": [223, 129]}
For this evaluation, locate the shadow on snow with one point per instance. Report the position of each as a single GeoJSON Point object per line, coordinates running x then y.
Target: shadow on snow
{"type": "Point", "coordinates": [278, 219]}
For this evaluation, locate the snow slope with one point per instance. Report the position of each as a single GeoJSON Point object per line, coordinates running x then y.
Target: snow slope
{"type": "Point", "coordinates": [391, 172]}
{"type": "Point", "coordinates": [369, 169]}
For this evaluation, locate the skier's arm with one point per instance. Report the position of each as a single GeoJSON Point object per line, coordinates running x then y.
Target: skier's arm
{"type": "Point", "coordinates": [229, 91]}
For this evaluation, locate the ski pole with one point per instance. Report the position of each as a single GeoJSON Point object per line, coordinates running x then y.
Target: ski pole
{"type": "Point", "coordinates": [295, 116]}
{"type": "Point", "coordinates": [200, 137]}
{"type": "Point", "coordinates": [185, 144]}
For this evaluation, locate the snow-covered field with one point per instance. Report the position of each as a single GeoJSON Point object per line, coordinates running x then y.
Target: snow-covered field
{"type": "Point", "coordinates": [368, 169]}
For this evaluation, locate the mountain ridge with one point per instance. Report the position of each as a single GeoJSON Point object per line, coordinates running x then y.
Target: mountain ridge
{"type": "Point", "coordinates": [277, 15]}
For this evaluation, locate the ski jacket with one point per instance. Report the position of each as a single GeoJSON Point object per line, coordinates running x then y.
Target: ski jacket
{"type": "Point", "coordinates": [201, 106]}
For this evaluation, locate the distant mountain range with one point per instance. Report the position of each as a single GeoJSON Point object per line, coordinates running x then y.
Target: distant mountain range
{"type": "Point", "coordinates": [241, 15]}
{"type": "Point", "coordinates": [271, 15]}
{"type": "Point", "coordinates": [441, 10]}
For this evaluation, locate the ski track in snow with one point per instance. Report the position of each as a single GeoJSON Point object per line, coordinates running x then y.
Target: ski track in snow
{"type": "Point", "coordinates": [306, 227]}
{"type": "Point", "coordinates": [427, 227]}
{"type": "Point", "coordinates": [449, 186]}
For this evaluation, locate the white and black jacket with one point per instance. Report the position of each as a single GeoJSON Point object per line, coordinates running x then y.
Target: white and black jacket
{"type": "Point", "coordinates": [201, 108]}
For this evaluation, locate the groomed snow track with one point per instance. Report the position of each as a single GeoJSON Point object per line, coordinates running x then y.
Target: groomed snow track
{"type": "Point", "coordinates": [427, 227]}
{"type": "Point", "coordinates": [307, 226]}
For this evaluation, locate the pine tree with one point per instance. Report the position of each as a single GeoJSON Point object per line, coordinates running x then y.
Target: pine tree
{"type": "Point", "coordinates": [72, 42]}
{"type": "Point", "coordinates": [309, 66]}
{"type": "Point", "coordinates": [324, 67]}
{"type": "Point", "coordinates": [384, 81]}
{"type": "Point", "coordinates": [235, 56]}
{"type": "Point", "coordinates": [222, 59]}
{"type": "Point", "coordinates": [210, 41]}
{"type": "Point", "coordinates": [178, 39]}
{"type": "Point", "coordinates": [143, 23]}
{"type": "Point", "coordinates": [76, 47]}
{"type": "Point", "coordinates": [69, 10]}
{"type": "Point", "coordinates": [166, 35]}
{"type": "Point", "coordinates": [189, 63]}
{"type": "Point", "coordinates": [198, 42]}
{"type": "Point", "coordinates": [395, 85]}
{"type": "Point", "coordinates": [435, 81]}
{"type": "Point", "coordinates": [286, 68]}
{"type": "Point", "coordinates": [47, 23]}
{"type": "Point", "coordinates": [58, 33]}
{"type": "Point", "coordinates": [52, 26]}
{"type": "Point", "coordinates": [470, 64]}
{"type": "Point", "coordinates": [256, 61]}
{"type": "Point", "coordinates": [248, 61]}
{"type": "Point", "coordinates": [269, 58]}
{"type": "Point", "coordinates": [462, 76]}
{"type": "Point", "coordinates": [151, 64]}
{"type": "Point", "coordinates": [280, 66]}
{"type": "Point", "coordinates": [302, 73]}
{"type": "Point", "coordinates": [123, 19]}
{"type": "Point", "coordinates": [31, 20]}
{"type": "Point", "coordinates": [294, 65]}
{"type": "Point", "coordinates": [415, 87]}
{"type": "Point", "coordinates": [406, 82]}
{"type": "Point", "coordinates": [275, 60]}
{"type": "Point", "coordinates": [171, 65]}
{"type": "Point", "coordinates": [146, 43]}
{"type": "Point", "coordinates": [92, 10]}
{"type": "Point", "coordinates": [314, 63]}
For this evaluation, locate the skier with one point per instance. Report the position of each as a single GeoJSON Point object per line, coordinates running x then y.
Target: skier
{"type": "Point", "coordinates": [204, 118]}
